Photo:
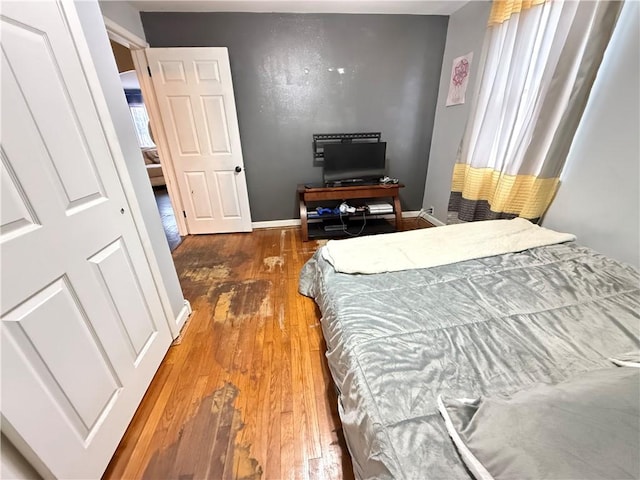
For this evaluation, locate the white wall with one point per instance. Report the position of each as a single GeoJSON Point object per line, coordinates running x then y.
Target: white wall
{"type": "Point", "coordinates": [465, 34]}
{"type": "Point", "coordinates": [13, 466]}
{"type": "Point", "coordinates": [96, 36]}
{"type": "Point", "coordinates": [124, 14]}
{"type": "Point", "coordinates": [599, 194]}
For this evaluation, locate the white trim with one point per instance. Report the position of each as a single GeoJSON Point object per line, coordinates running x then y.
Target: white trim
{"type": "Point", "coordinates": [141, 64]}
{"type": "Point", "coordinates": [431, 219]}
{"type": "Point", "coordinates": [121, 35]}
{"type": "Point", "coordinates": [295, 222]}
{"type": "Point", "coordinates": [136, 45]}
{"type": "Point", "coordinates": [410, 214]}
{"type": "Point", "coordinates": [479, 471]}
{"type": "Point", "coordinates": [181, 319]}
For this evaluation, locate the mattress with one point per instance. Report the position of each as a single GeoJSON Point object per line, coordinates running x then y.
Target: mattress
{"type": "Point", "coordinates": [395, 341]}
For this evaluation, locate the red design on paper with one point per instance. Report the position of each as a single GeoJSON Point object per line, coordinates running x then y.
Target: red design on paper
{"type": "Point", "coordinates": [460, 72]}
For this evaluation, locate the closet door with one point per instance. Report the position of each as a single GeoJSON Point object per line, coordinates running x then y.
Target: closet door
{"type": "Point", "coordinates": [83, 331]}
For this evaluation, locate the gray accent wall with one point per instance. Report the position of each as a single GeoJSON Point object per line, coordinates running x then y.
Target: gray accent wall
{"type": "Point", "coordinates": [599, 195]}
{"type": "Point", "coordinates": [299, 74]}
{"type": "Point", "coordinates": [466, 32]}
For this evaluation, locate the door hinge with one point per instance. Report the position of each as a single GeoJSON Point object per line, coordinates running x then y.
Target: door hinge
{"type": "Point", "coordinates": [149, 70]}
{"type": "Point", "coordinates": [184, 213]}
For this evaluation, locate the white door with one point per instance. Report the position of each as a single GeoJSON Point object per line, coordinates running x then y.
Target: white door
{"type": "Point", "coordinates": [83, 331]}
{"type": "Point", "coordinates": [198, 110]}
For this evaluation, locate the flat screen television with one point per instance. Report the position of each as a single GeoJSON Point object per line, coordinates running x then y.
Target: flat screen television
{"type": "Point", "coordinates": [354, 162]}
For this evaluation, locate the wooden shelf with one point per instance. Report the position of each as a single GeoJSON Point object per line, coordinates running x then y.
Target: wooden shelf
{"type": "Point", "coordinates": [353, 228]}
{"type": "Point", "coordinates": [374, 225]}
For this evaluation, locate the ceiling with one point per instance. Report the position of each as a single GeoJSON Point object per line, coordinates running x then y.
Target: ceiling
{"type": "Point", "coordinates": [412, 7]}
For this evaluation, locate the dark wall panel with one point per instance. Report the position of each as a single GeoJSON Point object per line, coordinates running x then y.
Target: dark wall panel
{"type": "Point", "coordinates": [299, 74]}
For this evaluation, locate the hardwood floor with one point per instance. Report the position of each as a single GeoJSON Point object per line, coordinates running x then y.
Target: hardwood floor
{"type": "Point", "coordinates": [167, 217]}
{"type": "Point", "coordinates": [245, 393]}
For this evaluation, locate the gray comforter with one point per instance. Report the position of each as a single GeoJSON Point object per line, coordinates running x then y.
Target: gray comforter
{"type": "Point", "coordinates": [480, 327]}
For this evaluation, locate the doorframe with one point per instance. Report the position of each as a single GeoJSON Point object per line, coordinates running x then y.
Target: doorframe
{"type": "Point", "coordinates": [137, 46]}
{"type": "Point", "coordinates": [128, 39]}
{"type": "Point", "coordinates": [141, 64]}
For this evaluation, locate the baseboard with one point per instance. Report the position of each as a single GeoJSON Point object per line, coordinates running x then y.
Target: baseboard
{"type": "Point", "coordinates": [431, 219]}
{"type": "Point", "coordinates": [411, 214]}
{"type": "Point", "coordinates": [295, 222]}
{"type": "Point", "coordinates": [408, 214]}
{"type": "Point", "coordinates": [182, 317]}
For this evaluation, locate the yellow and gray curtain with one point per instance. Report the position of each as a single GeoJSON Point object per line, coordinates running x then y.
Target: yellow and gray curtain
{"type": "Point", "coordinates": [540, 59]}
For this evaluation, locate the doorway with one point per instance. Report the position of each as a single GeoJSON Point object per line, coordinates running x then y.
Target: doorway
{"type": "Point", "coordinates": [191, 106]}
{"type": "Point", "coordinates": [150, 154]}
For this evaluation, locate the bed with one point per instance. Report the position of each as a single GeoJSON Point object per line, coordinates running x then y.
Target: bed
{"type": "Point", "coordinates": [397, 340]}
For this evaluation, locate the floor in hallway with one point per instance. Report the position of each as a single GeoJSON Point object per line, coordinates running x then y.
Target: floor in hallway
{"type": "Point", "coordinates": [167, 217]}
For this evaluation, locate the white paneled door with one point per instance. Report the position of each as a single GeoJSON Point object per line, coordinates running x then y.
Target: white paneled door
{"type": "Point", "coordinates": [198, 110]}
{"type": "Point", "coordinates": [83, 331]}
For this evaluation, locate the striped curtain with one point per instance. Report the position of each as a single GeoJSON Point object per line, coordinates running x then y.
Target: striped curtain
{"type": "Point", "coordinates": [540, 59]}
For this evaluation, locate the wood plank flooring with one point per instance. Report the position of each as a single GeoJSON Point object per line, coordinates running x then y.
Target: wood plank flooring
{"type": "Point", "coordinates": [245, 393]}
{"type": "Point", "coordinates": [167, 217]}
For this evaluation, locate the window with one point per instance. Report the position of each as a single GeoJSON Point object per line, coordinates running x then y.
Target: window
{"type": "Point", "coordinates": [141, 123]}
{"type": "Point", "coordinates": [140, 117]}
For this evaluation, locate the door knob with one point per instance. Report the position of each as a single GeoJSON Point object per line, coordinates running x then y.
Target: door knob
{"type": "Point", "coordinates": [238, 169]}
